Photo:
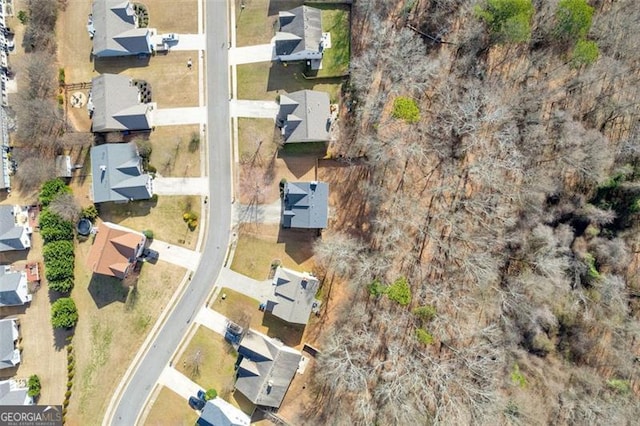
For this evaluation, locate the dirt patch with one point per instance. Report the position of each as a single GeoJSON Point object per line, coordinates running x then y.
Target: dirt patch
{"type": "Point", "coordinates": [169, 408]}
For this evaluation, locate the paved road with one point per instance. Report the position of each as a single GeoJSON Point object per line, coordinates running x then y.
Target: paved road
{"type": "Point", "coordinates": [218, 134]}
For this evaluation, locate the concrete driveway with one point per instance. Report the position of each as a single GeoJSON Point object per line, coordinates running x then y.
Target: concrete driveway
{"type": "Point", "coordinates": [179, 116]}
{"type": "Point", "coordinates": [176, 255]}
{"type": "Point", "coordinates": [258, 213]}
{"type": "Point", "coordinates": [189, 42]}
{"type": "Point", "coordinates": [254, 109]}
{"type": "Point", "coordinates": [212, 320]}
{"type": "Point", "coordinates": [181, 186]}
{"type": "Point", "coordinates": [259, 290]}
{"type": "Point", "coordinates": [178, 382]}
{"type": "Point", "coordinates": [252, 54]}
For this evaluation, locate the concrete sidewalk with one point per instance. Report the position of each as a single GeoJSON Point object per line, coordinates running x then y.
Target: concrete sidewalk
{"type": "Point", "coordinates": [258, 213]}
{"type": "Point", "coordinates": [179, 116]}
{"type": "Point", "coordinates": [189, 42]}
{"type": "Point", "coordinates": [179, 383]}
{"type": "Point", "coordinates": [181, 186]}
{"type": "Point", "coordinates": [254, 109]}
{"type": "Point", "coordinates": [252, 54]}
{"type": "Point", "coordinates": [176, 255]}
{"type": "Point", "coordinates": [259, 290]}
{"type": "Point", "coordinates": [212, 320]}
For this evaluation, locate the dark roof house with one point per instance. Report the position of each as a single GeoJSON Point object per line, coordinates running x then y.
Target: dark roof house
{"type": "Point", "coordinates": [293, 295]}
{"type": "Point", "coordinates": [300, 35]}
{"type": "Point", "coordinates": [304, 116]}
{"type": "Point", "coordinates": [305, 205]}
{"type": "Point", "coordinates": [266, 369]}
{"type": "Point", "coordinates": [14, 289]}
{"type": "Point", "coordinates": [13, 393]}
{"type": "Point", "coordinates": [115, 104]}
{"type": "Point", "coordinates": [118, 175]}
{"type": "Point", "coordinates": [9, 334]}
{"type": "Point", "coordinates": [218, 412]}
{"type": "Point", "coordinates": [14, 228]}
{"type": "Point", "coordinates": [115, 250]}
{"type": "Point", "coordinates": [116, 31]}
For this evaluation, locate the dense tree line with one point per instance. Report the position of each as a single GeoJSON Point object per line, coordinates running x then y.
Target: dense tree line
{"type": "Point", "coordinates": [511, 208]}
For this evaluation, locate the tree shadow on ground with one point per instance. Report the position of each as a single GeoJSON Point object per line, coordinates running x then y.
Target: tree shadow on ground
{"type": "Point", "coordinates": [298, 243]}
{"type": "Point", "coordinates": [106, 290]}
{"type": "Point", "coordinates": [115, 213]}
{"type": "Point", "coordinates": [290, 334]}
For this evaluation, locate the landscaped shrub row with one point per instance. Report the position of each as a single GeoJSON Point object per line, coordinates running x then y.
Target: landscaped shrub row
{"type": "Point", "coordinates": [71, 367]}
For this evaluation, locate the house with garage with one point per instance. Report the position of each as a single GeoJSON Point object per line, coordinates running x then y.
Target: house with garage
{"type": "Point", "coordinates": [14, 289]}
{"type": "Point", "coordinates": [115, 250]}
{"type": "Point", "coordinates": [117, 174]}
{"type": "Point", "coordinates": [300, 37]}
{"type": "Point", "coordinates": [9, 336]}
{"type": "Point", "coordinates": [13, 392]}
{"type": "Point", "coordinates": [293, 296]}
{"type": "Point", "coordinates": [118, 30]}
{"type": "Point", "coordinates": [218, 412]}
{"type": "Point", "coordinates": [305, 205]}
{"type": "Point", "coordinates": [265, 369]}
{"type": "Point", "coordinates": [116, 104]}
{"type": "Point", "coordinates": [15, 230]}
{"type": "Point", "coordinates": [304, 116]}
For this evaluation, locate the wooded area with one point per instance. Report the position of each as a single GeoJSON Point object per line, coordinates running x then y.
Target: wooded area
{"type": "Point", "coordinates": [509, 205]}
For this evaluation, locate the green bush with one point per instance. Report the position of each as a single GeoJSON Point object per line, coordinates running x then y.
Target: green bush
{"type": "Point", "coordinates": [64, 314]}
{"type": "Point", "coordinates": [517, 378]}
{"type": "Point", "coordinates": [69, 385]}
{"type": "Point", "coordinates": [406, 109]}
{"type": "Point", "coordinates": [61, 76]}
{"type": "Point", "coordinates": [54, 228]}
{"type": "Point", "coordinates": [573, 19]}
{"type": "Point", "coordinates": [211, 394]}
{"type": "Point", "coordinates": [148, 233]}
{"type": "Point", "coordinates": [424, 336]}
{"type": "Point", "coordinates": [376, 288]}
{"type": "Point", "coordinates": [425, 313]}
{"type": "Point", "coordinates": [89, 212]}
{"type": "Point", "coordinates": [586, 52]}
{"type": "Point", "coordinates": [592, 270]}
{"type": "Point", "coordinates": [59, 265]}
{"type": "Point", "coordinates": [400, 292]}
{"type": "Point", "coordinates": [67, 394]}
{"type": "Point", "coordinates": [619, 385]}
{"type": "Point", "coordinates": [50, 189]}
{"type": "Point", "coordinates": [508, 20]}
{"type": "Point", "coordinates": [23, 17]}
{"type": "Point", "coordinates": [34, 386]}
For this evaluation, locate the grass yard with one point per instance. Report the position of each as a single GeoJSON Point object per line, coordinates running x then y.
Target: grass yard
{"type": "Point", "coordinates": [314, 149]}
{"type": "Point", "coordinates": [335, 60]}
{"type": "Point", "coordinates": [257, 139]}
{"type": "Point", "coordinates": [163, 217]}
{"type": "Point", "coordinates": [169, 408]}
{"type": "Point", "coordinates": [209, 361]}
{"type": "Point", "coordinates": [257, 22]}
{"type": "Point", "coordinates": [244, 310]}
{"type": "Point", "coordinates": [176, 150]}
{"type": "Point", "coordinates": [113, 324]}
{"type": "Point", "coordinates": [173, 16]}
{"type": "Point", "coordinates": [265, 80]}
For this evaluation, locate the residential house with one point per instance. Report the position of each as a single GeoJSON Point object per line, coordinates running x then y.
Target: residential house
{"type": "Point", "coordinates": [115, 250]}
{"type": "Point", "coordinates": [9, 352]}
{"type": "Point", "coordinates": [115, 104]}
{"type": "Point", "coordinates": [14, 290]}
{"type": "Point", "coordinates": [118, 175]}
{"type": "Point", "coordinates": [218, 412]}
{"type": "Point", "coordinates": [300, 35]}
{"type": "Point", "coordinates": [293, 295]}
{"type": "Point", "coordinates": [265, 369]}
{"type": "Point", "coordinates": [305, 205]}
{"type": "Point", "coordinates": [13, 392]}
{"type": "Point", "coordinates": [116, 30]}
{"type": "Point", "coordinates": [304, 116]}
{"type": "Point", "coordinates": [15, 231]}
{"type": "Point", "coordinates": [5, 167]}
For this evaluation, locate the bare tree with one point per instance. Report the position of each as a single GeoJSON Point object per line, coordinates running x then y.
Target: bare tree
{"type": "Point", "coordinates": [66, 206]}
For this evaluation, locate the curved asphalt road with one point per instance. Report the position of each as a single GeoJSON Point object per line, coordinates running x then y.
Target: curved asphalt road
{"type": "Point", "coordinates": [219, 150]}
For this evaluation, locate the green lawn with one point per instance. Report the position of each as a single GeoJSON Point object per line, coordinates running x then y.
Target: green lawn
{"type": "Point", "coordinates": [264, 81]}
{"type": "Point", "coordinates": [216, 361]}
{"type": "Point", "coordinates": [315, 149]}
{"type": "Point", "coordinates": [335, 60]}
{"type": "Point", "coordinates": [257, 22]}
{"type": "Point", "coordinates": [170, 408]}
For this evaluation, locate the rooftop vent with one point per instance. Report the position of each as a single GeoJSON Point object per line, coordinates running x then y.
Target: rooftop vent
{"type": "Point", "coordinates": [103, 167]}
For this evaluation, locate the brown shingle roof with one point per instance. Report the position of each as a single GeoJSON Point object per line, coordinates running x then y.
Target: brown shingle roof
{"type": "Point", "coordinates": [114, 251]}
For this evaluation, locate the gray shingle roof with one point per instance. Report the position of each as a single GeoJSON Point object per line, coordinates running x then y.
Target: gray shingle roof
{"type": "Point", "coordinates": [305, 116]}
{"type": "Point", "coordinates": [117, 106]}
{"type": "Point", "coordinates": [117, 174]}
{"type": "Point", "coordinates": [219, 412]}
{"type": "Point", "coordinates": [300, 29]}
{"type": "Point", "coordinates": [293, 295]}
{"type": "Point", "coordinates": [115, 30]}
{"type": "Point", "coordinates": [10, 283]}
{"type": "Point", "coordinates": [7, 344]}
{"type": "Point", "coordinates": [266, 370]}
{"type": "Point", "coordinates": [15, 396]}
{"type": "Point", "coordinates": [305, 205]}
{"type": "Point", "coordinates": [10, 234]}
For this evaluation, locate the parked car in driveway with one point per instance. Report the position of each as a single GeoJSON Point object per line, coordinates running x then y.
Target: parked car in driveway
{"type": "Point", "coordinates": [168, 38]}
{"type": "Point", "coordinates": [196, 403]}
{"type": "Point", "coordinates": [202, 395]}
